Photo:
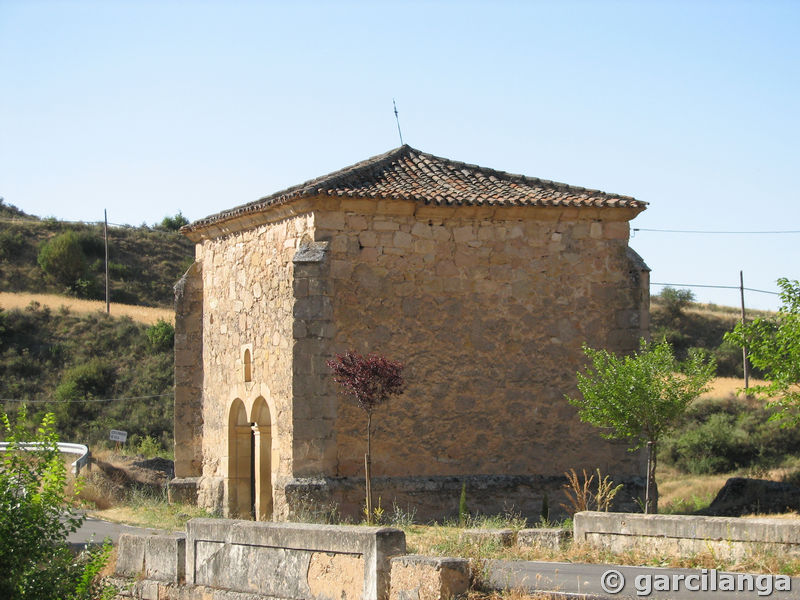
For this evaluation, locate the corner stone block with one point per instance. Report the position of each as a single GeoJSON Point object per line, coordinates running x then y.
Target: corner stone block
{"type": "Point", "coordinates": [416, 577]}
{"type": "Point", "coordinates": [313, 307]}
{"type": "Point", "coordinates": [130, 555]}
{"type": "Point", "coordinates": [183, 490]}
{"type": "Point", "coordinates": [153, 557]}
{"type": "Point", "coordinates": [165, 558]}
{"type": "Point", "coordinates": [329, 220]}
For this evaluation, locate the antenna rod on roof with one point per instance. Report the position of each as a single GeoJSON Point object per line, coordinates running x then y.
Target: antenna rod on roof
{"type": "Point", "coordinates": [397, 118]}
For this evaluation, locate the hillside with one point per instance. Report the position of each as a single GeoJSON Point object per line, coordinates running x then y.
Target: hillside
{"type": "Point", "coordinates": [60, 352]}
{"type": "Point", "coordinates": [144, 262]}
{"type": "Point", "coordinates": [95, 372]}
{"type": "Point", "coordinates": [693, 325]}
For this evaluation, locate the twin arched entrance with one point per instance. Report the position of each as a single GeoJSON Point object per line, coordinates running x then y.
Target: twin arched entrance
{"type": "Point", "coordinates": [250, 461]}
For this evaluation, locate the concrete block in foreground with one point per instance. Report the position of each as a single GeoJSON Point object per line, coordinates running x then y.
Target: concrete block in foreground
{"type": "Point", "coordinates": [292, 560]}
{"type": "Point", "coordinates": [416, 577]}
{"type": "Point", "coordinates": [730, 537]}
{"type": "Point", "coordinates": [152, 557]}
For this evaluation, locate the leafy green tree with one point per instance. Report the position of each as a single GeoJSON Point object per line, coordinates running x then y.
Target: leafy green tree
{"type": "Point", "coordinates": [62, 258]}
{"type": "Point", "coordinates": [641, 397]}
{"type": "Point", "coordinates": [36, 516]}
{"type": "Point", "coordinates": [773, 345]}
{"type": "Point", "coordinates": [173, 223]}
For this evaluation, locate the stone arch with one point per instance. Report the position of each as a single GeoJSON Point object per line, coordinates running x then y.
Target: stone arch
{"type": "Point", "coordinates": [263, 463]}
{"type": "Point", "coordinates": [240, 462]}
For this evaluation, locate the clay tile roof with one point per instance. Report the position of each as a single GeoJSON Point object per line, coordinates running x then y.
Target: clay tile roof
{"type": "Point", "coordinates": [408, 174]}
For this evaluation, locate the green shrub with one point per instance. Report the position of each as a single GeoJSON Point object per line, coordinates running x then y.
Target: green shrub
{"type": "Point", "coordinates": [161, 335]}
{"type": "Point", "coordinates": [146, 446]}
{"type": "Point", "coordinates": [463, 511]}
{"type": "Point", "coordinates": [89, 380]}
{"type": "Point", "coordinates": [93, 244]}
{"type": "Point", "coordinates": [724, 435]}
{"type": "Point", "coordinates": [675, 300]}
{"type": "Point", "coordinates": [62, 258]}
{"type": "Point", "coordinates": [80, 387]}
{"type": "Point", "coordinates": [11, 242]}
{"type": "Point", "coordinates": [36, 516]}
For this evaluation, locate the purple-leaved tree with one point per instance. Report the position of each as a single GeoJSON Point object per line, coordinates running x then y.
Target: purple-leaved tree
{"type": "Point", "coordinates": [369, 380]}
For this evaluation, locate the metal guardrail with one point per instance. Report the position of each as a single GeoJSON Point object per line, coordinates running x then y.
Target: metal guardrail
{"type": "Point", "coordinates": [81, 450]}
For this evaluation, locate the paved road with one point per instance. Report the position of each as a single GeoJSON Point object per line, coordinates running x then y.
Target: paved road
{"type": "Point", "coordinates": [95, 531]}
{"type": "Point", "coordinates": [570, 578]}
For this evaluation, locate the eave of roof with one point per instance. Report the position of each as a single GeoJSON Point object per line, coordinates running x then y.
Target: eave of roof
{"type": "Point", "coordinates": [409, 174]}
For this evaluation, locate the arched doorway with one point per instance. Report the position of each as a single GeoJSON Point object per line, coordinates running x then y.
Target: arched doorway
{"type": "Point", "coordinates": [262, 465]}
{"type": "Point", "coordinates": [240, 463]}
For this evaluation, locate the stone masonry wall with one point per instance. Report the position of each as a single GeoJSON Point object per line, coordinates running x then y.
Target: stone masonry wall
{"type": "Point", "coordinates": [248, 291]}
{"type": "Point", "coordinates": [488, 308]}
{"type": "Point", "coordinates": [189, 374]}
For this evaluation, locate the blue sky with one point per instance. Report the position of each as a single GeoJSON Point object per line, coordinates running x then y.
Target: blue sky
{"type": "Point", "coordinates": [148, 108]}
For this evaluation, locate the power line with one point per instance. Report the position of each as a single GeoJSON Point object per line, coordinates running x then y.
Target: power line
{"type": "Point", "coordinates": [722, 287]}
{"type": "Point", "coordinates": [636, 229]}
{"type": "Point", "coordinates": [86, 399]}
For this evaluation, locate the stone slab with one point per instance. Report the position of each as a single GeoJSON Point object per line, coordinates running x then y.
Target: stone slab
{"type": "Point", "coordinates": [299, 557]}
{"type": "Point", "coordinates": [154, 557]}
{"type": "Point", "coordinates": [416, 577]}
{"type": "Point", "coordinates": [543, 537]}
{"type": "Point", "coordinates": [501, 537]}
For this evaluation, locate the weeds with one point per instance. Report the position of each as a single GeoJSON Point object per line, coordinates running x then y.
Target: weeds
{"type": "Point", "coordinates": [580, 495]}
{"type": "Point", "coordinates": [606, 492]}
{"type": "Point", "coordinates": [402, 518]}
{"type": "Point", "coordinates": [683, 506]}
{"type": "Point", "coordinates": [146, 446]}
{"type": "Point", "coordinates": [463, 511]}
{"type": "Point", "coordinates": [377, 514]}
{"type": "Point", "coordinates": [308, 509]}
{"type": "Point", "coordinates": [439, 540]}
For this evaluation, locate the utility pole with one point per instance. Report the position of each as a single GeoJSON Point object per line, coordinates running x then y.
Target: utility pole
{"type": "Point", "coordinates": [105, 235]}
{"type": "Point", "coordinates": [744, 346]}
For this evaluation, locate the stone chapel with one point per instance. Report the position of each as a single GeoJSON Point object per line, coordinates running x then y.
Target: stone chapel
{"type": "Point", "coordinates": [484, 284]}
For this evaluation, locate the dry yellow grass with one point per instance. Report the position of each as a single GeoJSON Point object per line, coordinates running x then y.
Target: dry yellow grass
{"type": "Point", "coordinates": [141, 314]}
{"type": "Point", "coordinates": [724, 387]}
{"type": "Point", "coordinates": [681, 491]}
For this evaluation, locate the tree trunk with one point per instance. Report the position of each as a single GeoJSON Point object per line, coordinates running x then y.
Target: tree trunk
{"type": "Point", "coordinates": [651, 493]}
{"type": "Point", "coordinates": [368, 475]}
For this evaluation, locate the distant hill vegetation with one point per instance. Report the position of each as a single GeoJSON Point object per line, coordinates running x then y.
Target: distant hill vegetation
{"type": "Point", "coordinates": [686, 324]}
{"type": "Point", "coordinates": [95, 372]}
{"type": "Point", "coordinates": [49, 256]}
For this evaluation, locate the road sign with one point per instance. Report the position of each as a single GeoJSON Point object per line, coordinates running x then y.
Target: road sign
{"type": "Point", "coordinates": [118, 436]}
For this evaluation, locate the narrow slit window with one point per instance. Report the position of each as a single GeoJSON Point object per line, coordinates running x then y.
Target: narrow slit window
{"type": "Point", "coordinates": [248, 367]}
